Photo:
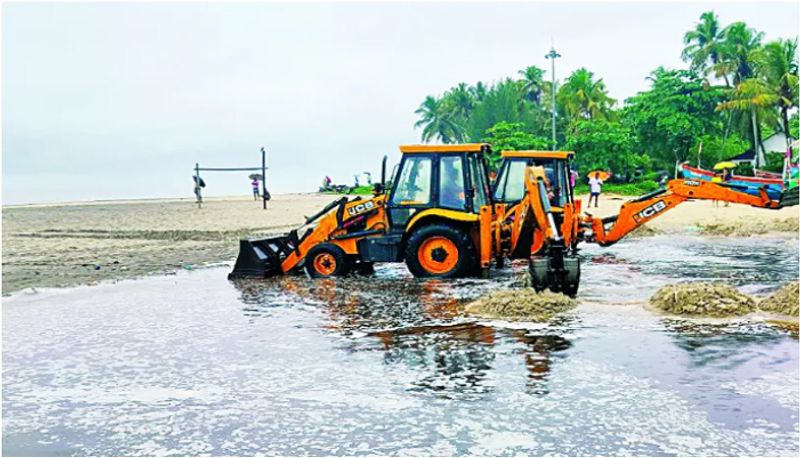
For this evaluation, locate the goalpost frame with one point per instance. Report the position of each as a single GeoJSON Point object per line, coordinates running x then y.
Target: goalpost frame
{"type": "Point", "coordinates": [263, 170]}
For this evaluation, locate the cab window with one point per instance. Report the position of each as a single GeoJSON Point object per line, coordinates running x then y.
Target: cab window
{"type": "Point", "coordinates": [511, 186]}
{"type": "Point", "coordinates": [451, 182]}
{"type": "Point", "coordinates": [479, 182]}
{"type": "Point", "coordinates": [414, 182]}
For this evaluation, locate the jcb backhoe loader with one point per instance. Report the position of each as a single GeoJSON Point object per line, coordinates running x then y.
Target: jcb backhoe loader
{"type": "Point", "coordinates": [547, 248]}
{"type": "Point", "coordinates": [440, 218]}
{"type": "Point", "coordinates": [539, 179]}
{"type": "Point", "coordinates": [437, 218]}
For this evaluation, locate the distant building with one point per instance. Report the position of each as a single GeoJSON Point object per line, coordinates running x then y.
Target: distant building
{"type": "Point", "coordinates": [774, 144]}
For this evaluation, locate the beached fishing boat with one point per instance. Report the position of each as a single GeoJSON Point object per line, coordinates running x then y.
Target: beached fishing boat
{"type": "Point", "coordinates": [751, 185]}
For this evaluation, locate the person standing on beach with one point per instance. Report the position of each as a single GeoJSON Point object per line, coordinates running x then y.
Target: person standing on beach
{"type": "Point", "coordinates": [198, 191]}
{"type": "Point", "coordinates": [256, 194]}
{"type": "Point", "coordinates": [595, 186]}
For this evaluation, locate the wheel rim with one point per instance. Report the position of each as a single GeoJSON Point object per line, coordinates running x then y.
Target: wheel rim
{"type": "Point", "coordinates": [438, 255]}
{"type": "Point", "coordinates": [325, 263]}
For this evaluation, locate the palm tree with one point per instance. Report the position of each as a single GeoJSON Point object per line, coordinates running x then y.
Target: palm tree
{"type": "Point", "coordinates": [437, 121]}
{"type": "Point", "coordinates": [478, 92]}
{"type": "Point", "coordinates": [703, 45]}
{"type": "Point", "coordinates": [736, 53]}
{"type": "Point", "coordinates": [754, 97]}
{"type": "Point", "coordinates": [583, 97]}
{"type": "Point", "coordinates": [459, 101]}
{"type": "Point", "coordinates": [531, 84]}
{"type": "Point", "coordinates": [777, 64]}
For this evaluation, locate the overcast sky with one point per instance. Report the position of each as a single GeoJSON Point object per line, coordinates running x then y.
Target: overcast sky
{"type": "Point", "coordinates": [107, 101]}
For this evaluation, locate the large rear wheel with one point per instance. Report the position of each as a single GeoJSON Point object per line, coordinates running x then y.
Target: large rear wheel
{"type": "Point", "coordinates": [440, 251]}
{"type": "Point", "coordinates": [327, 260]}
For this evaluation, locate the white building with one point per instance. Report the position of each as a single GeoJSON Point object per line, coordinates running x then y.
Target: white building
{"type": "Point", "coordinates": [774, 144]}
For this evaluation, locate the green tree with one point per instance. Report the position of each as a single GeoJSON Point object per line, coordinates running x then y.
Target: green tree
{"type": "Point", "coordinates": [502, 102]}
{"type": "Point", "coordinates": [736, 53]}
{"type": "Point", "coordinates": [605, 145]}
{"type": "Point", "coordinates": [583, 97]}
{"type": "Point", "coordinates": [703, 45]}
{"type": "Point", "coordinates": [510, 136]}
{"type": "Point", "coordinates": [438, 122]}
{"type": "Point", "coordinates": [459, 102]}
{"type": "Point", "coordinates": [668, 118]}
{"type": "Point", "coordinates": [716, 149]}
{"type": "Point", "coordinates": [755, 98]}
{"type": "Point", "coordinates": [531, 84]}
{"type": "Point", "coordinates": [777, 64]}
{"type": "Point", "coordinates": [478, 91]}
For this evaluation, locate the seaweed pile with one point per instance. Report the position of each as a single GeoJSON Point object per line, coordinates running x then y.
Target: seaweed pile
{"type": "Point", "coordinates": [521, 304]}
{"type": "Point", "coordinates": [702, 299]}
{"type": "Point", "coordinates": [643, 231]}
{"type": "Point", "coordinates": [785, 301]}
{"type": "Point", "coordinates": [748, 227]}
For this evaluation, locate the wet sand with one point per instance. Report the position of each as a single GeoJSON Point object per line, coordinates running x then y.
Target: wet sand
{"type": "Point", "coordinates": [86, 242]}
{"type": "Point", "coordinates": [83, 243]}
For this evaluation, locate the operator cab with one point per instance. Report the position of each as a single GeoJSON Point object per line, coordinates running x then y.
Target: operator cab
{"type": "Point", "coordinates": [447, 177]}
{"type": "Point", "coordinates": [509, 187]}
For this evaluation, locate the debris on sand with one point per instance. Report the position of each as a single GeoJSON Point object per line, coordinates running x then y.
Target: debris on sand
{"type": "Point", "coordinates": [521, 304]}
{"type": "Point", "coordinates": [748, 227]}
{"type": "Point", "coordinates": [785, 301]}
{"type": "Point", "coordinates": [643, 231]}
{"type": "Point", "coordinates": [702, 299]}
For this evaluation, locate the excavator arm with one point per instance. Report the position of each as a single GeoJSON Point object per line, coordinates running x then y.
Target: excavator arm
{"type": "Point", "coordinates": [634, 213]}
{"type": "Point", "coordinates": [553, 263]}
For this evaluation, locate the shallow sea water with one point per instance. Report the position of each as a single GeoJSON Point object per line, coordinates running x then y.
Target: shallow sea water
{"type": "Point", "coordinates": [193, 364]}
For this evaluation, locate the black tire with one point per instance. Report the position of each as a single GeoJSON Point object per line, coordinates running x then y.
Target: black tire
{"type": "Point", "coordinates": [341, 263]}
{"type": "Point", "coordinates": [466, 260]}
{"type": "Point", "coordinates": [365, 268]}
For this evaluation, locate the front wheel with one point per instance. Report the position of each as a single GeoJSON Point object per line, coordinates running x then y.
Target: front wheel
{"type": "Point", "coordinates": [327, 260]}
{"type": "Point", "coordinates": [440, 251]}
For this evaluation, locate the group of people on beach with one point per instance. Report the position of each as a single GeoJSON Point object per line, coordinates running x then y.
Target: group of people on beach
{"type": "Point", "coordinates": [595, 186]}
{"type": "Point", "coordinates": [255, 184]}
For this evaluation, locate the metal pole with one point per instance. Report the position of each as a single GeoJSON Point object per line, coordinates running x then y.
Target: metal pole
{"type": "Point", "coordinates": [264, 176]}
{"type": "Point", "coordinates": [699, 152]}
{"type": "Point", "coordinates": [552, 55]}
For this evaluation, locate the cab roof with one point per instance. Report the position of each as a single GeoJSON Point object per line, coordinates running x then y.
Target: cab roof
{"type": "Point", "coordinates": [459, 148]}
{"type": "Point", "coordinates": [539, 154]}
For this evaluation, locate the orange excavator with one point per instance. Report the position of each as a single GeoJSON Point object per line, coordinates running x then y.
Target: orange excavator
{"type": "Point", "coordinates": [441, 216]}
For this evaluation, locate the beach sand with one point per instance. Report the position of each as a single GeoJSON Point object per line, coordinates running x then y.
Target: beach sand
{"type": "Point", "coordinates": [79, 243]}
{"type": "Point", "coordinates": [86, 242]}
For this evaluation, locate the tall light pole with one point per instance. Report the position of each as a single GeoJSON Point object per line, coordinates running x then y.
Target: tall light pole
{"type": "Point", "coordinates": [553, 55]}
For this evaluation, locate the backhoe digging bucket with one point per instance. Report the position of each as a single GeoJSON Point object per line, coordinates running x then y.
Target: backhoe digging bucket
{"type": "Point", "coordinates": [559, 273]}
{"type": "Point", "coordinates": [262, 258]}
{"type": "Point", "coordinates": [790, 197]}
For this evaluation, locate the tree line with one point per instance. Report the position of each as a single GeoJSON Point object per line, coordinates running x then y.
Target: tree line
{"type": "Point", "coordinates": [735, 91]}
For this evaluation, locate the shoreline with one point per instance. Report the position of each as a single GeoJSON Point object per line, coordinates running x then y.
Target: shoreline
{"type": "Point", "coordinates": [79, 203]}
{"type": "Point", "coordinates": [84, 243]}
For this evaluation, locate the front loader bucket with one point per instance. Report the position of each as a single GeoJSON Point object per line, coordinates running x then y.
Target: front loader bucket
{"type": "Point", "coordinates": [261, 258]}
